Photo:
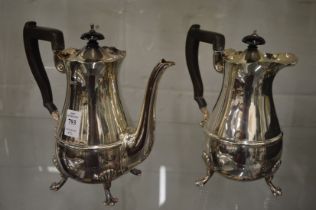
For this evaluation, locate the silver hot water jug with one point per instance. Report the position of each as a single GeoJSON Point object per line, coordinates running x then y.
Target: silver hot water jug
{"type": "Point", "coordinates": [243, 135]}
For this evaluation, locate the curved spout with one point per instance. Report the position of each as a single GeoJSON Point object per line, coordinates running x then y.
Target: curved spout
{"type": "Point", "coordinates": [144, 131]}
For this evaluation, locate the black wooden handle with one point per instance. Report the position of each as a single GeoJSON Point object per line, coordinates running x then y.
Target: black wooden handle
{"type": "Point", "coordinates": [194, 37]}
{"type": "Point", "coordinates": [31, 35]}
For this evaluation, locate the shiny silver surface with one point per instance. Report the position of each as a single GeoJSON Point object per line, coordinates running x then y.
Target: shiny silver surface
{"type": "Point", "coordinates": [94, 143]}
{"type": "Point", "coordinates": [105, 140]}
{"type": "Point", "coordinates": [168, 173]}
{"type": "Point", "coordinates": [278, 60]}
{"type": "Point", "coordinates": [106, 147]}
{"type": "Point", "coordinates": [245, 110]}
{"type": "Point", "coordinates": [243, 135]}
{"type": "Point", "coordinates": [146, 29]}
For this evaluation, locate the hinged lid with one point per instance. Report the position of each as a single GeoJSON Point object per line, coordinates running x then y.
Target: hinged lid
{"type": "Point", "coordinates": [252, 54]}
{"type": "Point", "coordinates": [92, 52]}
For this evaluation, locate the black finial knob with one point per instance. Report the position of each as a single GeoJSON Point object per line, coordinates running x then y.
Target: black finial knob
{"type": "Point", "coordinates": [92, 35]}
{"type": "Point", "coordinates": [253, 40]}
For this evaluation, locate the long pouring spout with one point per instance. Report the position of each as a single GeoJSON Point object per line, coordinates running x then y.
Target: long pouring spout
{"type": "Point", "coordinates": [144, 131]}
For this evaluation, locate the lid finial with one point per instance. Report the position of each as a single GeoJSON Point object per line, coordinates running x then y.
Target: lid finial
{"type": "Point", "coordinates": [254, 39]}
{"type": "Point", "coordinates": [92, 35]}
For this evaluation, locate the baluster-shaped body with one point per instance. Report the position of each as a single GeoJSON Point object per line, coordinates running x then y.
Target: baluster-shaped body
{"type": "Point", "coordinates": [245, 140]}
{"type": "Point", "coordinates": [243, 135]}
{"type": "Point", "coordinates": [94, 144]}
{"type": "Point", "coordinates": [92, 97]}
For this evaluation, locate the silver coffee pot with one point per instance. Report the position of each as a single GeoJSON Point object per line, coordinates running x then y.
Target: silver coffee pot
{"type": "Point", "coordinates": [243, 135]}
{"type": "Point", "coordinates": [94, 143]}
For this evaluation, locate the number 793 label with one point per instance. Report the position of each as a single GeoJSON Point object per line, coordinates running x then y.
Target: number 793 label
{"type": "Point", "coordinates": [72, 124]}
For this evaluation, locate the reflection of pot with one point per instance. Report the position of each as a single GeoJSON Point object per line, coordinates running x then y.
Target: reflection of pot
{"type": "Point", "coordinates": [94, 143]}
{"type": "Point", "coordinates": [244, 139]}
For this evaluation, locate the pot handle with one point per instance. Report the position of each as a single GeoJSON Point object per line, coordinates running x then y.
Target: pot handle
{"type": "Point", "coordinates": [194, 37]}
{"type": "Point", "coordinates": [31, 35]}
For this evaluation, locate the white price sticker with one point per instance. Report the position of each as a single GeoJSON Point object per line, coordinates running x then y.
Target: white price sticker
{"type": "Point", "coordinates": [72, 124]}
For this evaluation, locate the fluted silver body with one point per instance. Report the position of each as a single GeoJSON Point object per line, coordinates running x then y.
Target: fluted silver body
{"type": "Point", "coordinates": [105, 141]}
{"type": "Point", "coordinates": [243, 135]}
{"type": "Point", "coordinates": [103, 146]}
{"type": "Point", "coordinates": [94, 143]}
{"type": "Point", "coordinates": [243, 129]}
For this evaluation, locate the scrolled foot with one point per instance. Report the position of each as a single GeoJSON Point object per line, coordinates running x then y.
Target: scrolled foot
{"type": "Point", "coordinates": [109, 199]}
{"type": "Point", "coordinates": [136, 172]}
{"type": "Point", "coordinates": [209, 170]}
{"type": "Point", "coordinates": [57, 185]}
{"type": "Point", "coordinates": [276, 191]}
{"type": "Point", "coordinates": [202, 181]}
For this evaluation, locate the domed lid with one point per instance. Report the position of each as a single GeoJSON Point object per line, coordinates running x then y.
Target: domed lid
{"type": "Point", "coordinates": [92, 52]}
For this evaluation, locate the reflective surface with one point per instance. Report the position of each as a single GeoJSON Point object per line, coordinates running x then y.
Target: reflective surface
{"type": "Point", "coordinates": [245, 111]}
{"type": "Point", "coordinates": [168, 174]}
{"type": "Point", "coordinates": [105, 141]}
{"type": "Point", "coordinates": [146, 29]}
{"type": "Point", "coordinates": [94, 143]}
{"type": "Point", "coordinates": [106, 147]}
{"type": "Point", "coordinates": [243, 135]}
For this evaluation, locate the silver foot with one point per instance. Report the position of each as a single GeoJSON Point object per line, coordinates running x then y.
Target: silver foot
{"type": "Point", "coordinates": [57, 185]}
{"type": "Point", "coordinates": [276, 191]}
{"type": "Point", "coordinates": [109, 199]}
{"type": "Point", "coordinates": [136, 172]}
{"type": "Point", "coordinates": [209, 169]}
{"type": "Point", "coordinates": [202, 181]}
{"type": "Point", "coordinates": [276, 166]}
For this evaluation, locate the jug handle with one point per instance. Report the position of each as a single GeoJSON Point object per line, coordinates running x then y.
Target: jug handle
{"type": "Point", "coordinates": [31, 35]}
{"type": "Point", "coordinates": [194, 37]}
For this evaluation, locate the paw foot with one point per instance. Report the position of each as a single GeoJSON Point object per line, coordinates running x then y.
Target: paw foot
{"type": "Point", "coordinates": [55, 186]}
{"type": "Point", "coordinates": [136, 172]}
{"type": "Point", "coordinates": [110, 200]}
{"type": "Point", "coordinates": [202, 181]}
{"type": "Point", "coordinates": [277, 191]}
